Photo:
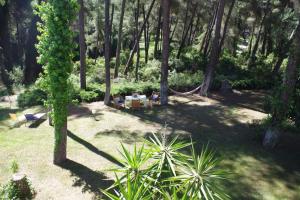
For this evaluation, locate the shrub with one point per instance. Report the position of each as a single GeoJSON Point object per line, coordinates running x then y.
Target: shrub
{"type": "Point", "coordinates": [184, 81]}
{"type": "Point", "coordinates": [193, 60]}
{"type": "Point", "coordinates": [162, 171]}
{"type": "Point", "coordinates": [88, 96]}
{"type": "Point", "coordinates": [127, 88]}
{"type": "Point", "coordinates": [11, 189]}
{"type": "Point", "coordinates": [95, 71]}
{"type": "Point", "coordinates": [32, 96]}
{"type": "Point", "coordinates": [151, 72]}
{"type": "Point", "coordinates": [17, 76]}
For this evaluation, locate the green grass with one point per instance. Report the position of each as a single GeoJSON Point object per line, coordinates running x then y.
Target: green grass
{"type": "Point", "coordinates": [256, 172]}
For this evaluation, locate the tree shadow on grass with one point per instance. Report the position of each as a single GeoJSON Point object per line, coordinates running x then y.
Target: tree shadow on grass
{"type": "Point", "coordinates": [93, 149]}
{"type": "Point", "coordinates": [126, 136]}
{"type": "Point", "coordinates": [235, 142]}
{"type": "Point", "coordinates": [88, 179]}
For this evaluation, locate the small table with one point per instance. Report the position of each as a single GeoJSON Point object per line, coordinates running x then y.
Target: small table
{"type": "Point", "coordinates": [128, 100]}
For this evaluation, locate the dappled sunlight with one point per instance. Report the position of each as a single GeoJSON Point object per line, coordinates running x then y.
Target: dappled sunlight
{"type": "Point", "coordinates": [93, 144]}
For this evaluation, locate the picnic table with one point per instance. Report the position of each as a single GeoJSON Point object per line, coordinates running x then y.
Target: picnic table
{"type": "Point", "coordinates": [141, 98]}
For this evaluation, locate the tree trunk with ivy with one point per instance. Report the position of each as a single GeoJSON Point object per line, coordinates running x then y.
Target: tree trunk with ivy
{"type": "Point", "coordinates": [56, 53]}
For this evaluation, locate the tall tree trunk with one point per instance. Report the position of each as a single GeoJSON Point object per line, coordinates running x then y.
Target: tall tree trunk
{"type": "Point", "coordinates": [120, 34]}
{"type": "Point", "coordinates": [214, 56]}
{"type": "Point", "coordinates": [252, 57]}
{"type": "Point", "coordinates": [32, 68]}
{"type": "Point", "coordinates": [226, 25]}
{"type": "Point", "coordinates": [291, 69]}
{"type": "Point", "coordinates": [107, 52]}
{"type": "Point", "coordinates": [139, 36]}
{"type": "Point", "coordinates": [174, 29]}
{"type": "Point", "coordinates": [60, 150]}
{"type": "Point", "coordinates": [5, 43]}
{"type": "Point", "coordinates": [209, 31]}
{"type": "Point", "coordinates": [82, 47]}
{"type": "Point", "coordinates": [137, 41]}
{"type": "Point", "coordinates": [186, 32]}
{"type": "Point", "coordinates": [271, 138]}
{"type": "Point", "coordinates": [146, 35]}
{"type": "Point", "coordinates": [165, 52]}
{"type": "Point", "coordinates": [195, 30]}
{"type": "Point", "coordinates": [111, 24]}
{"type": "Point", "coordinates": [251, 40]}
{"type": "Point", "coordinates": [157, 34]}
{"type": "Point", "coordinates": [98, 28]}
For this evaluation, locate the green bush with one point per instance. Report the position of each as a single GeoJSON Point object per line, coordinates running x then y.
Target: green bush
{"type": "Point", "coordinates": [10, 191]}
{"type": "Point", "coordinates": [31, 97]}
{"type": "Point", "coordinates": [88, 96]}
{"type": "Point", "coordinates": [151, 72]}
{"type": "Point", "coordinates": [127, 88]}
{"type": "Point", "coordinates": [95, 71]}
{"type": "Point", "coordinates": [162, 171]}
{"type": "Point", "coordinates": [185, 81]}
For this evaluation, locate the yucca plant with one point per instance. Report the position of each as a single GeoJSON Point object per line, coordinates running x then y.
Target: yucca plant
{"type": "Point", "coordinates": [136, 189]}
{"type": "Point", "coordinates": [200, 177]}
{"type": "Point", "coordinates": [133, 162]}
{"type": "Point", "coordinates": [161, 171]}
{"type": "Point", "coordinates": [166, 154]}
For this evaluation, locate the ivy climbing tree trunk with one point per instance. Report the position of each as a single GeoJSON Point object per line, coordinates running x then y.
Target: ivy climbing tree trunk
{"type": "Point", "coordinates": [107, 52]}
{"type": "Point", "coordinates": [82, 47]}
{"type": "Point", "coordinates": [165, 52]}
{"type": "Point", "coordinates": [120, 34]}
{"type": "Point", "coordinates": [56, 53]}
{"type": "Point", "coordinates": [214, 56]}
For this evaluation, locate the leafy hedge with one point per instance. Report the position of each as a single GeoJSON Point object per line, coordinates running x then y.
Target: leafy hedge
{"type": "Point", "coordinates": [31, 97]}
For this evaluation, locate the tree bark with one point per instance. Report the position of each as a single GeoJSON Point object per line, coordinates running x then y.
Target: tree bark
{"type": "Point", "coordinates": [165, 52]}
{"type": "Point", "coordinates": [137, 41]}
{"type": "Point", "coordinates": [98, 29]}
{"type": "Point", "coordinates": [226, 24]}
{"type": "Point", "coordinates": [174, 29]}
{"type": "Point", "coordinates": [289, 85]}
{"type": "Point", "coordinates": [209, 32]}
{"type": "Point", "coordinates": [60, 150]}
{"type": "Point", "coordinates": [214, 56]}
{"type": "Point", "coordinates": [107, 52]}
{"type": "Point", "coordinates": [139, 36]}
{"type": "Point", "coordinates": [146, 35]}
{"type": "Point", "coordinates": [157, 34]}
{"type": "Point", "coordinates": [120, 35]}
{"type": "Point", "coordinates": [82, 47]}
{"type": "Point", "coordinates": [32, 68]}
{"type": "Point", "coordinates": [111, 24]}
{"type": "Point", "coordinates": [252, 57]}
{"type": "Point", "coordinates": [186, 32]}
{"type": "Point", "coordinates": [251, 40]}
{"type": "Point", "coordinates": [5, 44]}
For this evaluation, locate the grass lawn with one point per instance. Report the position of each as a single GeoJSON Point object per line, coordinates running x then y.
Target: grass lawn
{"type": "Point", "coordinates": [222, 121]}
